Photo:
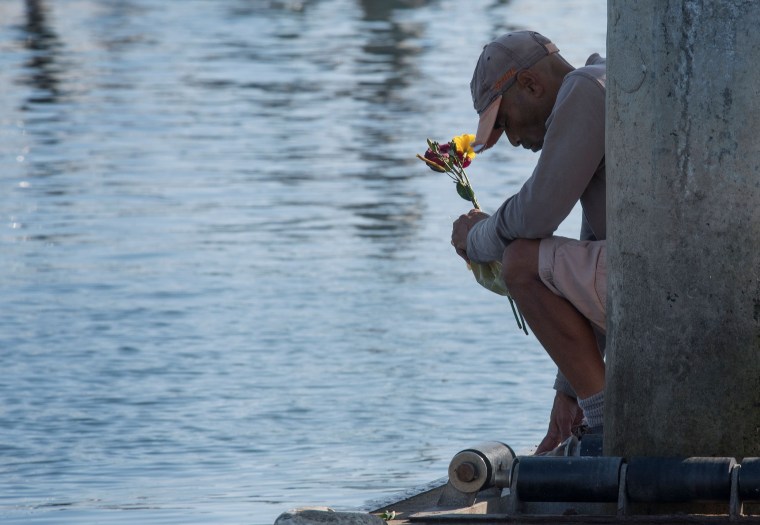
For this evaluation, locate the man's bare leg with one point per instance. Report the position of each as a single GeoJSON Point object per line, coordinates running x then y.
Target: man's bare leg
{"type": "Point", "coordinates": [566, 335]}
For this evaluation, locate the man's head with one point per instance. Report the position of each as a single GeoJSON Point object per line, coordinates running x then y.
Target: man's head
{"type": "Point", "coordinates": [514, 88]}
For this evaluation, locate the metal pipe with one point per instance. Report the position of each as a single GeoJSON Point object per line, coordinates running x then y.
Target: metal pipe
{"type": "Point", "coordinates": [488, 464]}
{"type": "Point", "coordinates": [584, 478]}
{"type": "Point", "coordinates": [679, 479]}
{"type": "Point", "coordinates": [749, 479]}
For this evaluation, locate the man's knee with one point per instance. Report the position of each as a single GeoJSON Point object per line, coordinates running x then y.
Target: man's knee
{"type": "Point", "coordinates": [519, 264]}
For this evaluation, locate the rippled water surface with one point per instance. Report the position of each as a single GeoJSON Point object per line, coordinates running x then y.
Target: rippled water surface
{"type": "Point", "coordinates": [227, 284]}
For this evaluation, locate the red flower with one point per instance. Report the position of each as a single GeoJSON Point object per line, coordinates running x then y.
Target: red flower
{"type": "Point", "coordinates": [443, 153]}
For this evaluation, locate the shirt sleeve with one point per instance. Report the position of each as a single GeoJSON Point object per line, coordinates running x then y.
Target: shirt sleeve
{"type": "Point", "coordinates": [573, 149]}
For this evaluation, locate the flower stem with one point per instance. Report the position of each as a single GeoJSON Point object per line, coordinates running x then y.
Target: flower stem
{"type": "Point", "coordinates": [432, 164]}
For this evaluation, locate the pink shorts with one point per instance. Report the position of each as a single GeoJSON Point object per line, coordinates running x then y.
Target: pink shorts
{"type": "Point", "coordinates": [577, 271]}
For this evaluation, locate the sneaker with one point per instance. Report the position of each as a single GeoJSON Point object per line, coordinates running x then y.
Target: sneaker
{"type": "Point", "coordinates": [592, 441]}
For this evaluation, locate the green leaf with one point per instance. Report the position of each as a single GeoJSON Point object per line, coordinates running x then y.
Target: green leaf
{"type": "Point", "coordinates": [454, 154]}
{"type": "Point", "coordinates": [388, 515]}
{"type": "Point", "coordinates": [465, 192]}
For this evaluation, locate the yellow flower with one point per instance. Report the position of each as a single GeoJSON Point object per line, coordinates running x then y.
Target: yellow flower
{"type": "Point", "coordinates": [464, 145]}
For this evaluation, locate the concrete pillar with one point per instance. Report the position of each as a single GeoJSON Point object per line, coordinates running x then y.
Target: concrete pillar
{"type": "Point", "coordinates": [683, 168]}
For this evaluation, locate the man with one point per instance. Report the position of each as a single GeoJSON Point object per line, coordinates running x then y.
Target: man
{"type": "Point", "coordinates": [523, 88]}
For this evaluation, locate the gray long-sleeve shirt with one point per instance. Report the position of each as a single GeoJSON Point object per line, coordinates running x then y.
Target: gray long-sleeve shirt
{"type": "Point", "coordinates": [570, 168]}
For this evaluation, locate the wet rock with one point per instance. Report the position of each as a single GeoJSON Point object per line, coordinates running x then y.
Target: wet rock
{"type": "Point", "coordinates": [326, 516]}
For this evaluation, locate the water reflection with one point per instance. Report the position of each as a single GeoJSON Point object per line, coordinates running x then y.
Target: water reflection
{"type": "Point", "coordinates": [389, 43]}
{"type": "Point", "coordinates": [385, 67]}
{"type": "Point", "coordinates": [113, 25]}
{"type": "Point", "coordinates": [247, 8]}
{"type": "Point", "coordinates": [44, 46]}
{"type": "Point", "coordinates": [43, 74]}
{"type": "Point", "coordinates": [333, 98]}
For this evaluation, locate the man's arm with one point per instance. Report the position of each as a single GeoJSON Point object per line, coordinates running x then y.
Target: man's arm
{"type": "Point", "coordinates": [461, 228]}
{"type": "Point", "coordinates": [565, 417]}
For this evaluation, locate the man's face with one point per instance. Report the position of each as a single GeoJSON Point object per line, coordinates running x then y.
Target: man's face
{"type": "Point", "coordinates": [522, 117]}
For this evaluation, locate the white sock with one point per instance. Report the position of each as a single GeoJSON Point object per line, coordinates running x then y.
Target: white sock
{"type": "Point", "coordinates": [593, 409]}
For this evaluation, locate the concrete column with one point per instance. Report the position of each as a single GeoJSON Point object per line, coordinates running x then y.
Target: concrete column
{"type": "Point", "coordinates": [683, 168]}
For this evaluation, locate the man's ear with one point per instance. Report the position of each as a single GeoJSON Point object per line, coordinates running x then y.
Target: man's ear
{"type": "Point", "coordinates": [530, 82]}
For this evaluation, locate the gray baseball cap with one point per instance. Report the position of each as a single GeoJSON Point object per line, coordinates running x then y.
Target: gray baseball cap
{"type": "Point", "coordinates": [496, 72]}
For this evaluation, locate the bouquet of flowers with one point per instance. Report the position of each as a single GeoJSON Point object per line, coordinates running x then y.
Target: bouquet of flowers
{"type": "Point", "coordinates": [452, 158]}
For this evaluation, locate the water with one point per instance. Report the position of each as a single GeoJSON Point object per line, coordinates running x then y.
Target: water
{"type": "Point", "coordinates": [227, 283]}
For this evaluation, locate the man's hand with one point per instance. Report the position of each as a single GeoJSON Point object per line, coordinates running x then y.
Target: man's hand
{"type": "Point", "coordinates": [566, 415]}
{"type": "Point", "coordinates": [461, 228]}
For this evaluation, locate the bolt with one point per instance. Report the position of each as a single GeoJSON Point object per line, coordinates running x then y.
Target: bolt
{"type": "Point", "coordinates": [466, 472]}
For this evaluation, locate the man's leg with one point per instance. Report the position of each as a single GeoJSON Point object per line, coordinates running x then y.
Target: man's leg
{"type": "Point", "coordinates": [566, 335]}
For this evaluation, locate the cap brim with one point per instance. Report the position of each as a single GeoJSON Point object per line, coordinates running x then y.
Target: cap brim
{"type": "Point", "coordinates": [486, 136]}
